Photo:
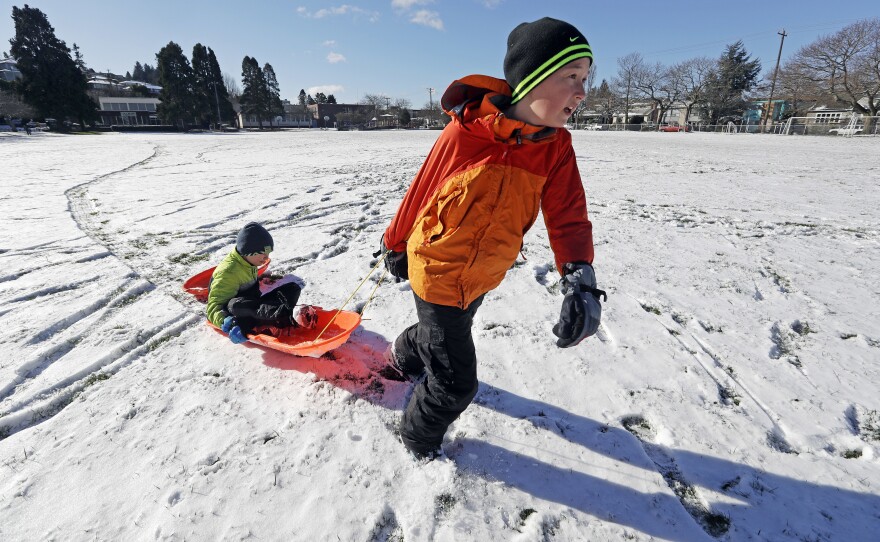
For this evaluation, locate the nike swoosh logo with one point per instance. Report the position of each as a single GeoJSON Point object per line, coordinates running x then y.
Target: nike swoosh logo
{"type": "Point", "coordinates": [574, 39]}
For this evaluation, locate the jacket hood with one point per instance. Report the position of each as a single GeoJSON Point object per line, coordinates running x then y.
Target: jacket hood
{"type": "Point", "coordinates": [483, 99]}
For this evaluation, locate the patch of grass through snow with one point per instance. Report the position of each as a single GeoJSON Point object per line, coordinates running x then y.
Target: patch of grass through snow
{"type": "Point", "coordinates": [443, 503]}
{"type": "Point", "coordinates": [713, 523]}
{"type": "Point", "coordinates": [188, 258]}
{"type": "Point", "coordinates": [647, 307]}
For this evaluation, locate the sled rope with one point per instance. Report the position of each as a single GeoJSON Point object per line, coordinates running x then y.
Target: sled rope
{"type": "Point", "coordinates": [369, 299]}
{"type": "Point", "coordinates": [352, 295]}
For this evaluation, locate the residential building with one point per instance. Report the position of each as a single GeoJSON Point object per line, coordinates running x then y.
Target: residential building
{"type": "Point", "coordinates": [293, 117]}
{"type": "Point", "coordinates": [9, 69]}
{"type": "Point", "coordinates": [127, 111]}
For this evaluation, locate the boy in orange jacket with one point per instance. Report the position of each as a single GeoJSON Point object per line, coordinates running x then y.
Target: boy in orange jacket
{"type": "Point", "coordinates": [460, 226]}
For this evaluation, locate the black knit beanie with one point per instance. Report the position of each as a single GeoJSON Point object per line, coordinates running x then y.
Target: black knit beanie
{"type": "Point", "coordinates": [253, 239]}
{"type": "Point", "coordinates": [537, 49]}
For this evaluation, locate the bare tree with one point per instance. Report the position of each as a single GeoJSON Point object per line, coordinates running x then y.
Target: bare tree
{"type": "Point", "coordinates": [627, 69]}
{"type": "Point", "coordinates": [605, 102]}
{"type": "Point", "coordinates": [846, 65]}
{"type": "Point", "coordinates": [661, 85]}
{"type": "Point", "coordinates": [232, 87]}
{"type": "Point", "coordinates": [694, 76]}
{"type": "Point", "coordinates": [589, 90]}
{"type": "Point", "coordinates": [797, 86]}
{"type": "Point", "coordinates": [376, 100]}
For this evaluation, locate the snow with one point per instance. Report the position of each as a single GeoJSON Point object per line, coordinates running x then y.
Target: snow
{"type": "Point", "coordinates": [731, 394]}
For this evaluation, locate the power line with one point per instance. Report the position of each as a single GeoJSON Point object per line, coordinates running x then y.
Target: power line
{"type": "Point", "coordinates": [765, 33]}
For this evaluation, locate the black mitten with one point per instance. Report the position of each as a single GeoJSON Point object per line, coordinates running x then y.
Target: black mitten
{"type": "Point", "coordinates": [581, 311]}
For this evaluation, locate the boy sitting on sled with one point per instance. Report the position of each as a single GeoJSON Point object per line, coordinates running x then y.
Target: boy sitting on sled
{"type": "Point", "coordinates": [235, 303]}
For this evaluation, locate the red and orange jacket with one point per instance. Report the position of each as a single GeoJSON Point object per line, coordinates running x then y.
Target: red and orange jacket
{"type": "Point", "coordinates": [463, 219]}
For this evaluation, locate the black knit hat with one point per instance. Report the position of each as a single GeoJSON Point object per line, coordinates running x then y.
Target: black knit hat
{"type": "Point", "coordinates": [537, 49]}
{"type": "Point", "coordinates": [253, 239]}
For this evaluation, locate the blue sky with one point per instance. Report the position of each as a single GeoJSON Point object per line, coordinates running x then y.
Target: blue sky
{"type": "Point", "coordinates": [401, 48]}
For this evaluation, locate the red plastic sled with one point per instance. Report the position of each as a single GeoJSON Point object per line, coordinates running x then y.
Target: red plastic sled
{"type": "Point", "coordinates": [197, 285]}
{"type": "Point", "coordinates": [306, 342]}
{"type": "Point", "coordinates": [300, 342]}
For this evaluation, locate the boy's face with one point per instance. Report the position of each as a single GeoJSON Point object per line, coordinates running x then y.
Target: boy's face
{"type": "Point", "coordinates": [257, 260]}
{"type": "Point", "coordinates": [553, 101]}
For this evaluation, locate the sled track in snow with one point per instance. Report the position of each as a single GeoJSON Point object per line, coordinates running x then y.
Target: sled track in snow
{"type": "Point", "coordinates": [81, 209]}
{"type": "Point", "coordinates": [27, 400]}
{"type": "Point", "coordinates": [726, 381]}
{"type": "Point", "coordinates": [44, 403]}
{"type": "Point", "coordinates": [89, 221]}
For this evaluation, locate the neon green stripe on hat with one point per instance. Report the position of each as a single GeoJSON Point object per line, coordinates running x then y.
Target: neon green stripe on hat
{"type": "Point", "coordinates": [547, 68]}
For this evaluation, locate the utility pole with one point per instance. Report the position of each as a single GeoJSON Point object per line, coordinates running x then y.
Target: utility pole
{"type": "Point", "coordinates": [430, 104]}
{"type": "Point", "coordinates": [769, 116]}
{"type": "Point", "coordinates": [217, 100]}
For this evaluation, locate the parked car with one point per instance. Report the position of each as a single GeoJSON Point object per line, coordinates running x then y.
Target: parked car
{"type": "Point", "coordinates": [847, 131]}
{"type": "Point", "coordinates": [674, 128]}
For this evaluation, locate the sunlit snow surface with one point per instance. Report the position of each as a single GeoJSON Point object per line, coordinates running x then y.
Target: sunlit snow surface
{"type": "Point", "coordinates": [733, 391]}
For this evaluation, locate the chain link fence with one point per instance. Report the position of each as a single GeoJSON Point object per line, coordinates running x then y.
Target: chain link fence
{"type": "Point", "coordinates": [846, 125]}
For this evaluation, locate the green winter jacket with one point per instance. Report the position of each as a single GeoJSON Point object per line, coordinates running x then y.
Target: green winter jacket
{"type": "Point", "coordinates": [230, 278]}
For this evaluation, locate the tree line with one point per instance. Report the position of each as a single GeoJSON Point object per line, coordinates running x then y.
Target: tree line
{"type": "Point", "coordinates": [838, 69]}
{"type": "Point", "coordinates": [54, 80]}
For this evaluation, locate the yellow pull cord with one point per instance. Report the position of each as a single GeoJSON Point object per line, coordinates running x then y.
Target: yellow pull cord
{"type": "Point", "coordinates": [369, 299]}
{"type": "Point", "coordinates": [352, 295]}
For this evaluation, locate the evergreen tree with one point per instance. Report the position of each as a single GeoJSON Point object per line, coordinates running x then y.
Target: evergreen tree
{"type": "Point", "coordinates": [145, 73]}
{"type": "Point", "coordinates": [151, 74]}
{"type": "Point", "coordinates": [227, 113]}
{"type": "Point", "coordinates": [213, 96]}
{"type": "Point", "coordinates": [331, 99]}
{"type": "Point", "coordinates": [273, 93]}
{"type": "Point", "coordinates": [321, 98]}
{"type": "Point", "coordinates": [52, 82]}
{"type": "Point", "coordinates": [605, 102]}
{"type": "Point", "coordinates": [403, 116]}
{"type": "Point", "coordinates": [138, 73]}
{"type": "Point", "coordinates": [78, 59]}
{"type": "Point", "coordinates": [728, 85]}
{"type": "Point", "coordinates": [140, 90]}
{"type": "Point", "coordinates": [302, 97]}
{"type": "Point", "coordinates": [203, 97]}
{"type": "Point", "coordinates": [254, 98]}
{"type": "Point", "coordinates": [176, 77]}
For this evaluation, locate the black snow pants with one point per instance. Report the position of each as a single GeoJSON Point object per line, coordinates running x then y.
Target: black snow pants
{"type": "Point", "coordinates": [441, 343]}
{"type": "Point", "coordinates": [272, 309]}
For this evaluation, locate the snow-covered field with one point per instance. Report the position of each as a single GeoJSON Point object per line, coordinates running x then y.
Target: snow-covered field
{"type": "Point", "coordinates": [733, 392]}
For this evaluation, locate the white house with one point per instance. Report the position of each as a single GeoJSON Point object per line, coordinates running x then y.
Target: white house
{"type": "Point", "coordinates": [9, 70]}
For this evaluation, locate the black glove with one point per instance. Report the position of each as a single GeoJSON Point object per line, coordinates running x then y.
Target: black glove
{"type": "Point", "coordinates": [396, 262]}
{"type": "Point", "coordinates": [581, 310]}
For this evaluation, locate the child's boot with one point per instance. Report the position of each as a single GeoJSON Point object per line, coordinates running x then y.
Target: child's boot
{"type": "Point", "coordinates": [305, 316]}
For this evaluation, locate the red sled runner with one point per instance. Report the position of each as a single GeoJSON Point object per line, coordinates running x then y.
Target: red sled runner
{"type": "Point", "coordinates": [333, 328]}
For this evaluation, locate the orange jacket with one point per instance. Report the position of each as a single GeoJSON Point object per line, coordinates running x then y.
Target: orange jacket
{"type": "Point", "coordinates": [463, 219]}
